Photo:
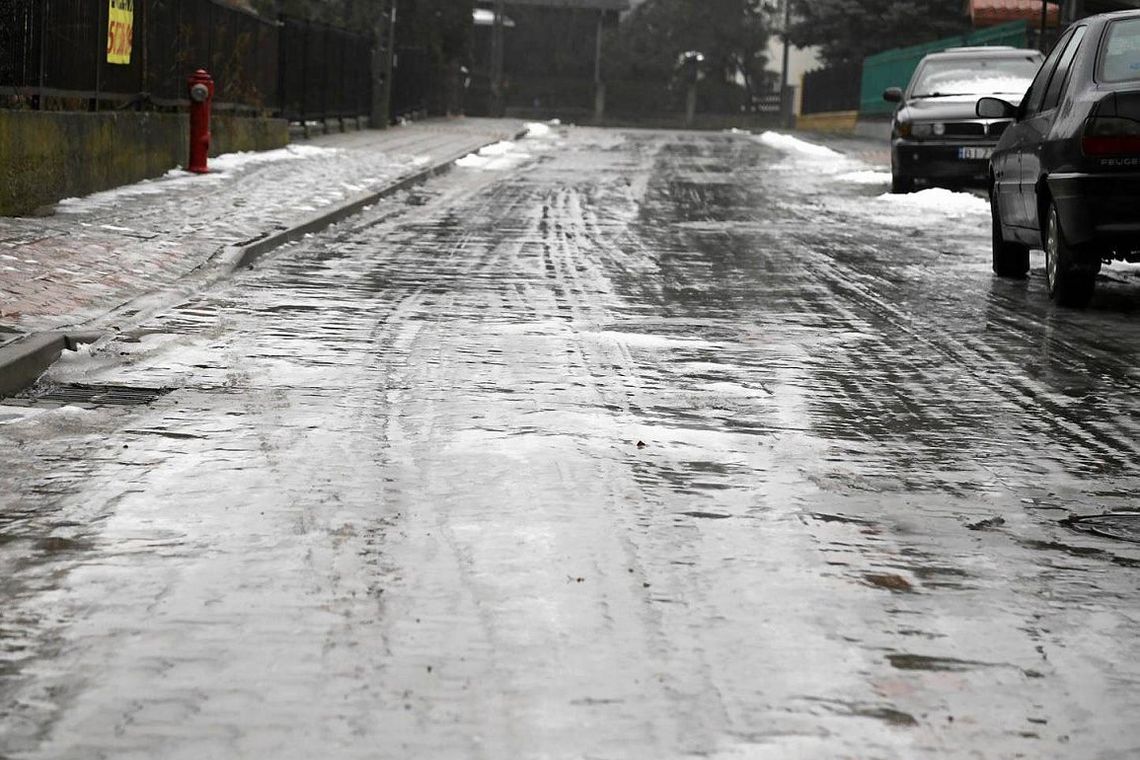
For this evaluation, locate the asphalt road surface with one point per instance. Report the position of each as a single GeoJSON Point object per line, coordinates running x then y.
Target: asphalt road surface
{"type": "Point", "coordinates": [605, 445]}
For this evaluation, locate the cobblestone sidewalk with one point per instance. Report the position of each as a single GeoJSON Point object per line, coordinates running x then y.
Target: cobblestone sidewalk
{"type": "Point", "coordinates": [98, 252]}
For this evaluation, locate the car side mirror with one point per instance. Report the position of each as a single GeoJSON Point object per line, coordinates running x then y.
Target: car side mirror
{"type": "Point", "coordinates": [893, 95]}
{"type": "Point", "coordinates": [995, 108]}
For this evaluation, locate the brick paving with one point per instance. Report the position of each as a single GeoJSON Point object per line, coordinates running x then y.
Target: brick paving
{"type": "Point", "coordinates": [96, 253]}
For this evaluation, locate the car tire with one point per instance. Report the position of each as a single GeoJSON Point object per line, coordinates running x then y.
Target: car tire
{"type": "Point", "coordinates": [1010, 259]}
{"type": "Point", "coordinates": [1069, 277]}
{"type": "Point", "coordinates": [901, 183]}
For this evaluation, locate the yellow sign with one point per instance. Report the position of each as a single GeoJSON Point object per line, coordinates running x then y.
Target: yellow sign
{"type": "Point", "coordinates": [120, 30]}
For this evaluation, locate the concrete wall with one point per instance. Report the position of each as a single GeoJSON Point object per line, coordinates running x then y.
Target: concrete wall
{"type": "Point", "coordinates": [46, 155]}
{"type": "Point", "coordinates": [832, 122]}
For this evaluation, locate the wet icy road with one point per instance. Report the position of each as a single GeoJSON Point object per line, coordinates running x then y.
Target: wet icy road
{"type": "Point", "coordinates": [397, 505]}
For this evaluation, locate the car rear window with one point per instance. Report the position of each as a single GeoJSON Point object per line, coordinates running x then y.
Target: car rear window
{"type": "Point", "coordinates": [976, 76]}
{"type": "Point", "coordinates": [1120, 57]}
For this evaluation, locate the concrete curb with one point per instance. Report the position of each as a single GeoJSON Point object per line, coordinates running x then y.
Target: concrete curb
{"type": "Point", "coordinates": [239, 256]}
{"type": "Point", "coordinates": [23, 360]}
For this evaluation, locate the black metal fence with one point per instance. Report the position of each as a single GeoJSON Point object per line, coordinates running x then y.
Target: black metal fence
{"type": "Point", "coordinates": [414, 78]}
{"type": "Point", "coordinates": [326, 72]}
{"type": "Point", "coordinates": [57, 49]}
{"type": "Point", "coordinates": [834, 89]}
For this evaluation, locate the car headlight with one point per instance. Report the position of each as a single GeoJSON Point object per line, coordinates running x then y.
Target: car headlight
{"type": "Point", "coordinates": [923, 130]}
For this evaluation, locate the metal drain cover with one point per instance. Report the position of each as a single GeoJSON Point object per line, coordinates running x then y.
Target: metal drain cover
{"type": "Point", "coordinates": [1123, 526]}
{"type": "Point", "coordinates": [81, 393]}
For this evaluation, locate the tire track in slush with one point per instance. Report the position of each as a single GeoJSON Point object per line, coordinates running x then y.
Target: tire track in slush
{"type": "Point", "coordinates": [858, 286]}
{"type": "Point", "coordinates": [1105, 441]}
{"type": "Point", "coordinates": [567, 295]}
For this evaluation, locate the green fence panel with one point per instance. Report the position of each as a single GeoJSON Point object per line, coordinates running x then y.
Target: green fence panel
{"type": "Point", "coordinates": [893, 68]}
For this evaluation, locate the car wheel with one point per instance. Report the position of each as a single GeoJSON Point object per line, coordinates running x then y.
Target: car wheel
{"type": "Point", "coordinates": [1010, 259]}
{"type": "Point", "coordinates": [900, 183]}
{"type": "Point", "coordinates": [1070, 278]}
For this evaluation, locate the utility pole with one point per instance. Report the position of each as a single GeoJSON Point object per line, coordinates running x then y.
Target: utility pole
{"type": "Point", "coordinates": [785, 98]}
{"type": "Point", "coordinates": [383, 44]}
{"type": "Point", "coordinates": [599, 85]}
{"type": "Point", "coordinates": [498, 96]}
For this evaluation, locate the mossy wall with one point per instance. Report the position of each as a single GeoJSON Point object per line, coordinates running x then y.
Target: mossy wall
{"type": "Point", "coordinates": [834, 122]}
{"type": "Point", "coordinates": [46, 155]}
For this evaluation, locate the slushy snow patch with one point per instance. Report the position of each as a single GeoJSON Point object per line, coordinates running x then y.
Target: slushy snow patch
{"type": "Point", "coordinates": [501, 155]}
{"type": "Point", "coordinates": [537, 129]}
{"type": "Point", "coordinates": [865, 177]}
{"type": "Point", "coordinates": [651, 341]}
{"type": "Point", "coordinates": [498, 149]}
{"type": "Point", "coordinates": [220, 168]}
{"type": "Point", "coordinates": [232, 161]}
{"type": "Point", "coordinates": [941, 200]}
{"type": "Point", "coordinates": [790, 144]}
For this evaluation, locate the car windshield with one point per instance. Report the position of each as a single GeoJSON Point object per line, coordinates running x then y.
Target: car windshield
{"type": "Point", "coordinates": [976, 76]}
{"type": "Point", "coordinates": [1120, 59]}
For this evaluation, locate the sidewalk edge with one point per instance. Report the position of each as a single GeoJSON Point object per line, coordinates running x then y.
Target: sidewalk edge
{"type": "Point", "coordinates": [22, 361]}
{"type": "Point", "coordinates": [239, 256]}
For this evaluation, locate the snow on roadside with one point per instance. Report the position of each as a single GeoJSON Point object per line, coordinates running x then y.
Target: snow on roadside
{"type": "Point", "coordinates": [790, 144]}
{"type": "Point", "coordinates": [890, 208]}
{"type": "Point", "coordinates": [500, 148]}
{"type": "Point", "coordinates": [232, 161]}
{"type": "Point", "coordinates": [946, 202]}
{"type": "Point", "coordinates": [865, 177]}
{"type": "Point", "coordinates": [497, 157]}
{"type": "Point", "coordinates": [808, 159]}
{"type": "Point", "coordinates": [934, 205]}
{"type": "Point", "coordinates": [538, 129]}
{"type": "Point", "coordinates": [221, 167]}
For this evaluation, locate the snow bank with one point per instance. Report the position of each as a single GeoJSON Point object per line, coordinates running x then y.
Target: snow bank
{"type": "Point", "coordinates": [232, 161]}
{"type": "Point", "coordinates": [936, 199]}
{"type": "Point", "coordinates": [538, 129]}
{"type": "Point", "coordinates": [790, 144]}
{"type": "Point", "coordinates": [924, 209]}
{"type": "Point", "coordinates": [221, 167]}
{"type": "Point", "coordinates": [498, 149]}
{"type": "Point", "coordinates": [498, 157]}
{"type": "Point", "coordinates": [104, 198]}
{"type": "Point", "coordinates": [866, 177]}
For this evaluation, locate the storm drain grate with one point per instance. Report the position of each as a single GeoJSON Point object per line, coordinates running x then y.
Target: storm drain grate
{"type": "Point", "coordinates": [1123, 526]}
{"type": "Point", "coordinates": [81, 393]}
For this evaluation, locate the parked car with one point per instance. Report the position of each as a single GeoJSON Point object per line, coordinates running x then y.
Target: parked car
{"type": "Point", "coordinates": [936, 134]}
{"type": "Point", "coordinates": [1066, 176]}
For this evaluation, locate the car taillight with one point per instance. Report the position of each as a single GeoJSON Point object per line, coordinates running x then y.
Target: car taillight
{"type": "Point", "coordinates": [1111, 136]}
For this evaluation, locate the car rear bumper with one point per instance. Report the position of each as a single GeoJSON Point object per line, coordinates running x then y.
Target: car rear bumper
{"type": "Point", "coordinates": [1099, 209]}
{"type": "Point", "coordinates": [939, 160]}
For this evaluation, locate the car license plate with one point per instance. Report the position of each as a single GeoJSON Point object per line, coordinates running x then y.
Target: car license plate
{"type": "Point", "coordinates": [975, 153]}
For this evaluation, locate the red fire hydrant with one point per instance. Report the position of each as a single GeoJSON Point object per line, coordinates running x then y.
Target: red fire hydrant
{"type": "Point", "coordinates": [201, 86]}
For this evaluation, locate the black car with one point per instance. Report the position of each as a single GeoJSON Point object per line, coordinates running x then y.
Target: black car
{"type": "Point", "coordinates": [1066, 176]}
{"type": "Point", "coordinates": [936, 134]}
